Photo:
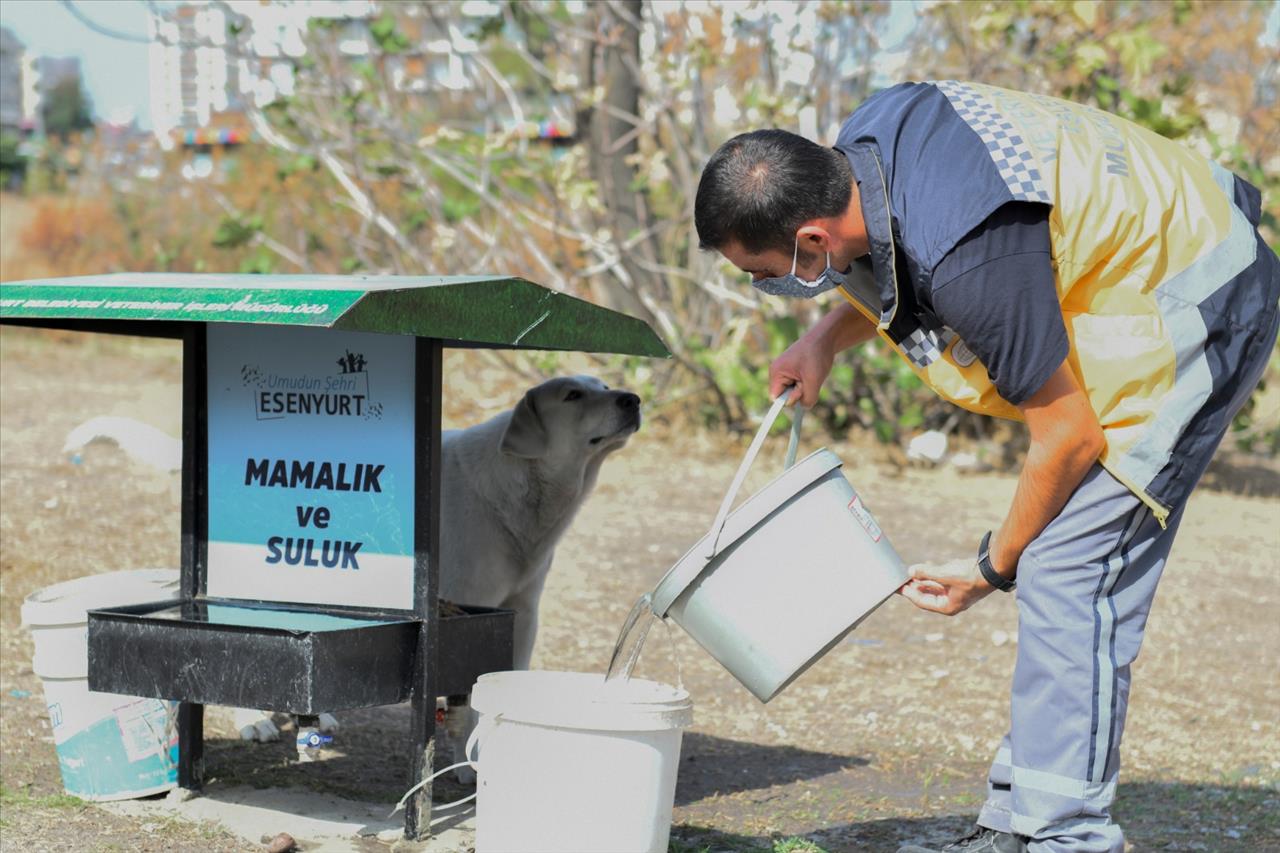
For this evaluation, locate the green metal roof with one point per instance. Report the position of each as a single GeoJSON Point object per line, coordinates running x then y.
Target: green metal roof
{"type": "Point", "coordinates": [476, 310]}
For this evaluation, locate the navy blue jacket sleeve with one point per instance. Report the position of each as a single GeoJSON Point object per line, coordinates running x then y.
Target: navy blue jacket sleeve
{"type": "Point", "coordinates": [997, 290]}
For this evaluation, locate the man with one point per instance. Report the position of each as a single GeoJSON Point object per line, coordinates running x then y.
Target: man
{"type": "Point", "coordinates": [1047, 262]}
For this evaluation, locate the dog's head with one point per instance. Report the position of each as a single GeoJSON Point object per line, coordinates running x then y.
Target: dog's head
{"type": "Point", "coordinates": [574, 417]}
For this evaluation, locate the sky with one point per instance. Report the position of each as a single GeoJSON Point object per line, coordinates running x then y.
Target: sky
{"type": "Point", "coordinates": [114, 70]}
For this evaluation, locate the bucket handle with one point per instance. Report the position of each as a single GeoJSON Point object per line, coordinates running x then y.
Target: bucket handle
{"type": "Point", "coordinates": [754, 450]}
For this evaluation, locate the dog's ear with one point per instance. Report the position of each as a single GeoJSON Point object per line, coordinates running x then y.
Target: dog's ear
{"type": "Point", "coordinates": [526, 435]}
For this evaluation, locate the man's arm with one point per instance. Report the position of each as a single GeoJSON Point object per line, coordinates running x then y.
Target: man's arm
{"type": "Point", "coordinates": [807, 362]}
{"type": "Point", "coordinates": [1066, 440]}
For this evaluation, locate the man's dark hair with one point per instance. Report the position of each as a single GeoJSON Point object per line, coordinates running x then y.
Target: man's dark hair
{"type": "Point", "coordinates": [760, 187]}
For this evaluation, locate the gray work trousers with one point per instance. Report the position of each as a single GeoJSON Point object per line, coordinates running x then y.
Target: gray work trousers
{"type": "Point", "coordinates": [1085, 587]}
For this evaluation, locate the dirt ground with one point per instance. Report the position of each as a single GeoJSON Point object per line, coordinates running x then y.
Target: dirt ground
{"type": "Point", "coordinates": [885, 740]}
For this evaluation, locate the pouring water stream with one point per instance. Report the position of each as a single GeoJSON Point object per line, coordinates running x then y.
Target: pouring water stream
{"type": "Point", "coordinates": [635, 629]}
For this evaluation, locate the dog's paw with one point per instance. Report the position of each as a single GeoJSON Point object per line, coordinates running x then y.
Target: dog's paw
{"type": "Point", "coordinates": [328, 723]}
{"type": "Point", "coordinates": [255, 725]}
{"type": "Point", "coordinates": [262, 731]}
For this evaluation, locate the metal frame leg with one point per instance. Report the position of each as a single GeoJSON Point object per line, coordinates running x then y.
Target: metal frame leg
{"type": "Point", "coordinates": [190, 745]}
{"type": "Point", "coordinates": [417, 814]}
{"type": "Point", "coordinates": [428, 360]}
{"type": "Point", "coordinates": [195, 530]}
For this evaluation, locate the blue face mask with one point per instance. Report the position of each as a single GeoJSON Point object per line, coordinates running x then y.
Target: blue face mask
{"type": "Point", "coordinates": [793, 285]}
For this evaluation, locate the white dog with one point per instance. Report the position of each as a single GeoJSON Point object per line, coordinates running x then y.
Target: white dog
{"type": "Point", "coordinates": [510, 487]}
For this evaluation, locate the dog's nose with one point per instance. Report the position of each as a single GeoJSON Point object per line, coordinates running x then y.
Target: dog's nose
{"type": "Point", "coordinates": [628, 402]}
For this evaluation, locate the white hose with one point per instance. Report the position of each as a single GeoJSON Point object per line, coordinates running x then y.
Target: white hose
{"type": "Point", "coordinates": [409, 793]}
{"type": "Point", "coordinates": [471, 761]}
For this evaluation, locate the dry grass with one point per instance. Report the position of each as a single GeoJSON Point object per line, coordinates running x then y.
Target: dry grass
{"type": "Point", "coordinates": [61, 235]}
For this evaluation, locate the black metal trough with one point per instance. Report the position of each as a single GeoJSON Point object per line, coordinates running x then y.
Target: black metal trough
{"type": "Point", "coordinates": [296, 661]}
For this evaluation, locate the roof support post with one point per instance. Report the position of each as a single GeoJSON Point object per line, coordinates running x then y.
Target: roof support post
{"type": "Point", "coordinates": [428, 358]}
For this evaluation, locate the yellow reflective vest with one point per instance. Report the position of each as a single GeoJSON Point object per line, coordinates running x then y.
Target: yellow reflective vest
{"type": "Point", "coordinates": [1168, 294]}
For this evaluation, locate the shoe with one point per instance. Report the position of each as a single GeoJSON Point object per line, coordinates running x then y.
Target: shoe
{"type": "Point", "coordinates": [981, 840]}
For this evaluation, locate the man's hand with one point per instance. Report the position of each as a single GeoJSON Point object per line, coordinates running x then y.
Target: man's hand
{"type": "Point", "coordinates": [807, 363]}
{"type": "Point", "coordinates": [946, 588]}
{"type": "Point", "coordinates": [1065, 443]}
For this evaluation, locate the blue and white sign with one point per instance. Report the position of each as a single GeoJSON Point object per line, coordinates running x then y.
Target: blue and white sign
{"type": "Point", "coordinates": [310, 466]}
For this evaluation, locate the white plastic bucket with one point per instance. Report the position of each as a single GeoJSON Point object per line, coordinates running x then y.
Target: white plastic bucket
{"type": "Point", "coordinates": [779, 581]}
{"type": "Point", "coordinates": [567, 763]}
{"type": "Point", "coordinates": [110, 747]}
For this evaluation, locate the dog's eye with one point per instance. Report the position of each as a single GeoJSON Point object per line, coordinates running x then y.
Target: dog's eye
{"type": "Point", "coordinates": [572, 395]}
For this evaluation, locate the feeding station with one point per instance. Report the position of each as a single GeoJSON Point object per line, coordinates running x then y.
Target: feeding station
{"type": "Point", "coordinates": [310, 517]}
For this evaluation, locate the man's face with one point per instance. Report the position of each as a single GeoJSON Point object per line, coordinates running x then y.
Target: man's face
{"type": "Point", "coordinates": [772, 263]}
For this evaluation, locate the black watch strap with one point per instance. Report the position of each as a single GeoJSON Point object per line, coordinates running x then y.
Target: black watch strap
{"type": "Point", "coordinates": [989, 573]}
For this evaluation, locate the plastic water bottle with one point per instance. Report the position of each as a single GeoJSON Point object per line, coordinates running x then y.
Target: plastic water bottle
{"type": "Point", "coordinates": [311, 741]}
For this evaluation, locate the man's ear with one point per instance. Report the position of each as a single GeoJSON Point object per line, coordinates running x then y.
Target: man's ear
{"type": "Point", "coordinates": [814, 238]}
{"type": "Point", "coordinates": [526, 436]}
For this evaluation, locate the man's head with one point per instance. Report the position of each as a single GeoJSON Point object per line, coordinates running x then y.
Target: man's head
{"type": "Point", "coordinates": [769, 196]}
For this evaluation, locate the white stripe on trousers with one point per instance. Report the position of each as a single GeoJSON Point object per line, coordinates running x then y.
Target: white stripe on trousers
{"type": "Point", "coordinates": [1053, 783]}
{"type": "Point", "coordinates": [1104, 647]}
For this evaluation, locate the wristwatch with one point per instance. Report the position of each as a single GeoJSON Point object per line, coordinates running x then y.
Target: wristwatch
{"type": "Point", "coordinates": [989, 573]}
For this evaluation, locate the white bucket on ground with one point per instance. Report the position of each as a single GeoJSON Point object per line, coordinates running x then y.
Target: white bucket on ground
{"type": "Point", "coordinates": [569, 764]}
{"type": "Point", "coordinates": [110, 747]}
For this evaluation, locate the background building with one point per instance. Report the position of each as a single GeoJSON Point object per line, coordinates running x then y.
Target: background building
{"type": "Point", "coordinates": [202, 79]}
{"type": "Point", "coordinates": [11, 59]}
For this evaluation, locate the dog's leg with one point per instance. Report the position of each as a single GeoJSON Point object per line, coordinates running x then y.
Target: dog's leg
{"type": "Point", "coordinates": [459, 722]}
{"type": "Point", "coordinates": [525, 630]}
